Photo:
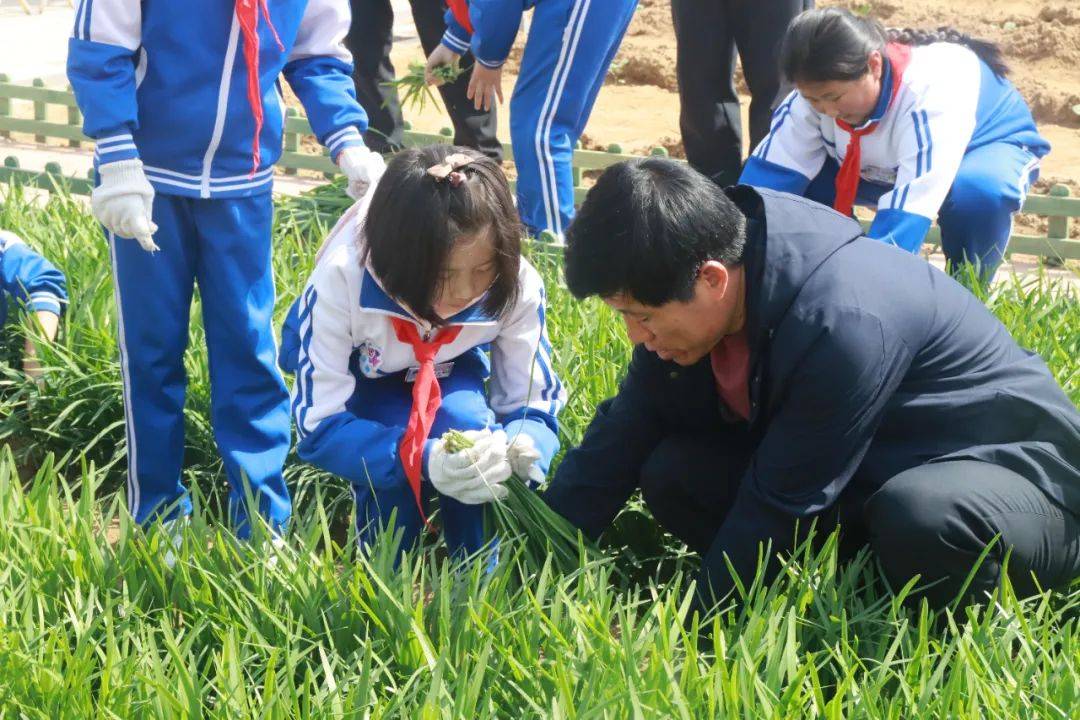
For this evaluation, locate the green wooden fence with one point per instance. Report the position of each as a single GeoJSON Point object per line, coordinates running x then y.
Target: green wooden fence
{"type": "Point", "coordinates": [1058, 207]}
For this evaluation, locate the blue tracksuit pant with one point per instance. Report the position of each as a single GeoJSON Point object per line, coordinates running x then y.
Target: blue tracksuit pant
{"type": "Point", "coordinates": [571, 44]}
{"type": "Point", "coordinates": [976, 217]}
{"type": "Point", "coordinates": [225, 246]}
{"type": "Point", "coordinates": [388, 400]}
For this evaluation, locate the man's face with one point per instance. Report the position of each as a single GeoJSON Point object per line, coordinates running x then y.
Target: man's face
{"type": "Point", "coordinates": [685, 332]}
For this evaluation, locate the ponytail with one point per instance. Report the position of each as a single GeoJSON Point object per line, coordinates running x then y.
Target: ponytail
{"type": "Point", "coordinates": [986, 51]}
{"type": "Point", "coordinates": [829, 44]}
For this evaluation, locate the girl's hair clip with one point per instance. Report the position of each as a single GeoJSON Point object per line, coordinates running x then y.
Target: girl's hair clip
{"type": "Point", "coordinates": [450, 169]}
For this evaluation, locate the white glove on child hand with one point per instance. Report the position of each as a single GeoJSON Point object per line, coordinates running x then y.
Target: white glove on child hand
{"type": "Point", "coordinates": [473, 475]}
{"type": "Point", "coordinates": [362, 167]}
{"type": "Point", "coordinates": [123, 202]}
{"type": "Point", "coordinates": [523, 457]}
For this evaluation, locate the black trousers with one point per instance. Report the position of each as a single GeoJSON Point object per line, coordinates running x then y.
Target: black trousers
{"type": "Point", "coordinates": [933, 521]}
{"type": "Point", "coordinates": [708, 34]}
{"type": "Point", "coordinates": [369, 40]}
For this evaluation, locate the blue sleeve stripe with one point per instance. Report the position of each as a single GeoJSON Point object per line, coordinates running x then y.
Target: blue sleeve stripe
{"type": "Point", "coordinates": [929, 140]}
{"type": "Point", "coordinates": [44, 304]}
{"type": "Point", "coordinates": [342, 138]}
{"type": "Point", "coordinates": [553, 385]}
{"type": "Point", "coordinates": [99, 151]}
{"type": "Point", "coordinates": [455, 43]}
{"type": "Point", "coordinates": [108, 142]}
{"type": "Point", "coordinates": [919, 140]}
{"type": "Point", "coordinates": [88, 12]}
{"type": "Point", "coordinates": [305, 371]}
{"type": "Point", "coordinates": [779, 116]}
{"type": "Point", "coordinates": [78, 20]}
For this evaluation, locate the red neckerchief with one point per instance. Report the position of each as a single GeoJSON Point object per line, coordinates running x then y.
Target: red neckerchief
{"type": "Point", "coordinates": [460, 9]}
{"type": "Point", "coordinates": [247, 13]}
{"type": "Point", "coordinates": [847, 179]}
{"type": "Point", "coordinates": [426, 395]}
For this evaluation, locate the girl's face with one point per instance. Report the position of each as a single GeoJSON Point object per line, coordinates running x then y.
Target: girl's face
{"type": "Point", "coordinates": [470, 271]}
{"type": "Point", "coordinates": [849, 100]}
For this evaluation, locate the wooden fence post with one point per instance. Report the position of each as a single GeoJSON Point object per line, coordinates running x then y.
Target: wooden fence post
{"type": "Point", "coordinates": [75, 120]}
{"type": "Point", "coordinates": [5, 106]}
{"type": "Point", "coordinates": [39, 110]}
{"type": "Point", "coordinates": [292, 140]}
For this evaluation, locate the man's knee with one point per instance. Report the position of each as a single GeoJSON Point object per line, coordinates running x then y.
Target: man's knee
{"type": "Point", "coordinates": [922, 525]}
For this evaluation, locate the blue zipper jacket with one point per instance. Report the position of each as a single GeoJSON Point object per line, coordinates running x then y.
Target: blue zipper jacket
{"type": "Point", "coordinates": [29, 279]}
{"type": "Point", "coordinates": [167, 82]}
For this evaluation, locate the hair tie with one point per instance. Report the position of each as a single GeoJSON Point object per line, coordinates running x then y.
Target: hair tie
{"type": "Point", "coordinates": [450, 169]}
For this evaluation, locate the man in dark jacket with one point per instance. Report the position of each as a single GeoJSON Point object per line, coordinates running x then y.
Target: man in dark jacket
{"type": "Point", "coordinates": [788, 369]}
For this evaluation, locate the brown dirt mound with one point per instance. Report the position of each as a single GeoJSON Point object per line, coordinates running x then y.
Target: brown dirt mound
{"type": "Point", "coordinates": [645, 69]}
{"type": "Point", "coordinates": [1044, 40]}
{"type": "Point", "coordinates": [1062, 14]}
{"type": "Point", "coordinates": [1049, 106]}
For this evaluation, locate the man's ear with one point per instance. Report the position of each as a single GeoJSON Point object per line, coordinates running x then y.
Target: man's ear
{"type": "Point", "coordinates": [715, 276]}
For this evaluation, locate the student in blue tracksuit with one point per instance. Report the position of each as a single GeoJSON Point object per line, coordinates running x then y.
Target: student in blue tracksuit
{"type": "Point", "coordinates": [919, 125]}
{"type": "Point", "coordinates": [29, 281]}
{"type": "Point", "coordinates": [182, 100]}
{"type": "Point", "coordinates": [570, 47]}
{"type": "Point", "coordinates": [421, 316]}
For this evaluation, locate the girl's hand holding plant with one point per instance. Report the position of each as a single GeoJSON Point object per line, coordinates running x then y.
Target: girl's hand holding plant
{"type": "Point", "coordinates": [470, 473]}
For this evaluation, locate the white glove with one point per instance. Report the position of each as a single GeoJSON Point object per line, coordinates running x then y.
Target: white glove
{"type": "Point", "coordinates": [523, 457]}
{"type": "Point", "coordinates": [362, 167]}
{"type": "Point", "coordinates": [123, 203]}
{"type": "Point", "coordinates": [473, 475]}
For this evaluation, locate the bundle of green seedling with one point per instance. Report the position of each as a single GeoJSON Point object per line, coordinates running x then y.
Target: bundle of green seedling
{"type": "Point", "coordinates": [413, 87]}
{"type": "Point", "coordinates": [523, 515]}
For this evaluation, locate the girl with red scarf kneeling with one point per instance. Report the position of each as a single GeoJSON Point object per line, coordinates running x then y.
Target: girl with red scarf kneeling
{"type": "Point", "coordinates": [420, 317]}
{"type": "Point", "coordinates": [919, 125]}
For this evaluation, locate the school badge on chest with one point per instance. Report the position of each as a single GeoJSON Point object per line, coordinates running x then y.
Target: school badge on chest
{"type": "Point", "coordinates": [370, 358]}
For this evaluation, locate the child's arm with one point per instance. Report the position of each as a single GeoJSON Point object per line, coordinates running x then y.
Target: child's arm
{"type": "Point", "coordinates": [38, 286]}
{"type": "Point", "coordinates": [331, 437]}
{"type": "Point", "coordinates": [101, 67]}
{"type": "Point", "coordinates": [525, 392]}
{"type": "Point", "coordinates": [49, 323]}
{"type": "Point", "coordinates": [932, 137]}
{"type": "Point", "coordinates": [34, 281]}
{"type": "Point", "coordinates": [793, 152]}
{"type": "Point", "coordinates": [319, 71]}
{"type": "Point", "coordinates": [494, 23]}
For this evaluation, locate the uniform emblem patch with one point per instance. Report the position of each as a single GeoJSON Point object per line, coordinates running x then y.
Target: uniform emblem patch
{"type": "Point", "coordinates": [370, 358]}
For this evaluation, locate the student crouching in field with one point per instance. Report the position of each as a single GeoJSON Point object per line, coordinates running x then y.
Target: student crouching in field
{"type": "Point", "coordinates": [788, 370]}
{"type": "Point", "coordinates": [420, 317]}
{"type": "Point", "coordinates": [29, 281]}
{"type": "Point", "coordinates": [916, 124]}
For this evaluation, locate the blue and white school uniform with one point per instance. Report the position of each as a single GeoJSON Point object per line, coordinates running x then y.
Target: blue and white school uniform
{"type": "Point", "coordinates": [955, 142]}
{"type": "Point", "coordinates": [28, 280]}
{"type": "Point", "coordinates": [352, 393]}
{"type": "Point", "coordinates": [570, 47]}
{"type": "Point", "coordinates": [167, 82]}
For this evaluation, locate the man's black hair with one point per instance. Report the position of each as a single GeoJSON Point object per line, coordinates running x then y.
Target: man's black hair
{"type": "Point", "coordinates": [646, 228]}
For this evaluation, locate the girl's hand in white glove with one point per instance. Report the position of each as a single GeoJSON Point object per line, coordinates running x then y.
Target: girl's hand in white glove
{"type": "Point", "coordinates": [474, 475]}
{"type": "Point", "coordinates": [362, 167]}
{"type": "Point", "coordinates": [523, 457]}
